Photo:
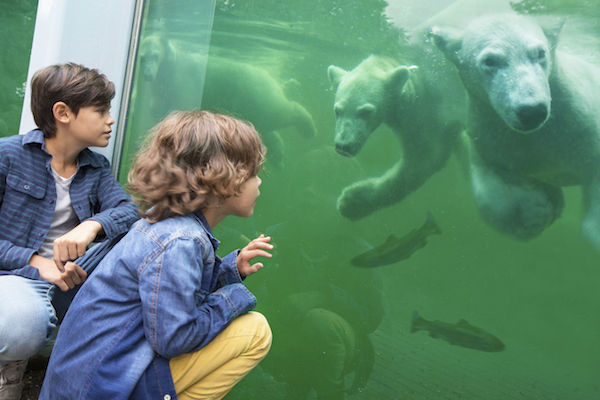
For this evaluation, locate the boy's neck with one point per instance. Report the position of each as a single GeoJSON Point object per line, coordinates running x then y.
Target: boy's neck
{"type": "Point", "coordinates": [64, 154]}
{"type": "Point", "coordinates": [213, 216]}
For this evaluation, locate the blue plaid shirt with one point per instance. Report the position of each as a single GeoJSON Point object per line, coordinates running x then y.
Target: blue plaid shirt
{"type": "Point", "coordinates": [28, 197]}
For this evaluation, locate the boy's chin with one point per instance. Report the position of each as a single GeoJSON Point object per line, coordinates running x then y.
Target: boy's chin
{"type": "Point", "coordinates": [246, 214]}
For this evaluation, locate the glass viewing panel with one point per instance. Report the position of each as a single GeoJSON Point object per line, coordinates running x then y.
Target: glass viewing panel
{"type": "Point", "coordinates": [17, 20]}
{"type": "Point", "coordinates": [393, 275]}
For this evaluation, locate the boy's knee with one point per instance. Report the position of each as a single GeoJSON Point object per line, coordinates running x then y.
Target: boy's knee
{"type": "Point", "coordinates": [262, 330]}
{"type": "Point", "coordinates": [23, 331]}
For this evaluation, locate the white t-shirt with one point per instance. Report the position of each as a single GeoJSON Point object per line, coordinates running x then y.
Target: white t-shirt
{"type": "Point", "coordinates": [64, 218]}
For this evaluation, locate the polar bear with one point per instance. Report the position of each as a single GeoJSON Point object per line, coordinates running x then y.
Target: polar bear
{"type": "Point", "coordinates": [173, 77]}
{"type": "Point", "coordinates": [533, 122]}
{"type": "Point", "coordinates": [423, 108]}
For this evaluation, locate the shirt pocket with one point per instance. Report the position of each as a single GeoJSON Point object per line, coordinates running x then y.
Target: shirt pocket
{"type": "Point", "coordinates": [23, 188]}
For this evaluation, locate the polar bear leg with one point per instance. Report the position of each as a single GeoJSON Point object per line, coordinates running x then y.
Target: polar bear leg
{"type": "Point", "coordinates": [366, 196]}
{"type": "Point", "coordinates": [523, 208]}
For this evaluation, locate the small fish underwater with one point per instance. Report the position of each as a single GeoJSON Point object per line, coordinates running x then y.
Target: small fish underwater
{"type": "Point", "coordinates": [460, 334]}
{"type": "Point", "coordinates": [395, 249]}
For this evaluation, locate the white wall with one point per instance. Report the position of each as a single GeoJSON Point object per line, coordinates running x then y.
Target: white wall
{"type": "Point", "coordinates": [89, 32]}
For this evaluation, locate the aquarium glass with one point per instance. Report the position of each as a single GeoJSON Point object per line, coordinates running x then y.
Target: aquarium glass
{"type": "Point", "coordinates": [381, 285]}
{"type": "Point", "coordinates": [17, 18]}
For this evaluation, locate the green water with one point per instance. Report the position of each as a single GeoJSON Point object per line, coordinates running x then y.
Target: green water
{"type": "Point", "coordinates": [17, 19]}
{"type": "Point", "coordinates": [538, 297]}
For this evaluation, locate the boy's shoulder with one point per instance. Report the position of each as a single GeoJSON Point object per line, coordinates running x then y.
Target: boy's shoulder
{"type": "Point", "coordinates": [12, 140]}
{"type": "Point", "coordinates": [94, 159]}
{"type": "Point", "coordinates": [173, 229]}
{"type": "Point", "coordinates": [15, 145]}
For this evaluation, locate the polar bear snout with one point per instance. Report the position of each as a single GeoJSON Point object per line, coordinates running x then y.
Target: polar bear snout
{"type": "Point", "coordinates": [521, 97]}
{"type": "Point", "coordinates": [531, 117]}
{"type": "Point", "coordinates": [346, 146]}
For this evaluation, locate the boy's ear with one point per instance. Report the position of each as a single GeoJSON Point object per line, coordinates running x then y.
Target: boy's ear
{"type": "Point", "coordinates": [62, 112]}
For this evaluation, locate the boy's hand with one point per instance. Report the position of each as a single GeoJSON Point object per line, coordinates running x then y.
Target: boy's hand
{"type": "Point", "coordinates": [72, 275]}
{"type": "Point", "coordinates": [73, 244]}
{"type": "Point", "coordinates": [255, 248]}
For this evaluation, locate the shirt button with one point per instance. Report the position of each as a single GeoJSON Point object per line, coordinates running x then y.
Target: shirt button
{"type": "Point", "coordinates": [26, 187]}
{"type": "Point", "coordinates": [167, 397]}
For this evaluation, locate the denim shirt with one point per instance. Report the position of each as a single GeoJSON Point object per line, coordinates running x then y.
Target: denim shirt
{"type": "Point", "coordinates": [28, 196]}
{"type": "Point", "coordinates": [159, 293]}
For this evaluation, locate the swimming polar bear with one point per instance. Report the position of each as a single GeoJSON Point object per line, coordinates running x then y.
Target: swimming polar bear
{"type": "Point", "coordinates": [417, 103]}
{"type": "Point", "coordinates": [533, 121]}
{"type": "Point", "coordinates": [173, 80]}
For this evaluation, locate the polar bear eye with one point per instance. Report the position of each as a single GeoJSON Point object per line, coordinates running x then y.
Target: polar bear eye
{"type": "Point", "coordinates": [365, 110]}
{"type": "Point", "coordinates": [492, 61]}
{"type": "Point", "coordinates": [539, 55]}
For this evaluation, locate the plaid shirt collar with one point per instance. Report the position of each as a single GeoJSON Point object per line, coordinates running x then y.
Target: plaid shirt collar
{"type": "Point", "coordinates": [36, 137]}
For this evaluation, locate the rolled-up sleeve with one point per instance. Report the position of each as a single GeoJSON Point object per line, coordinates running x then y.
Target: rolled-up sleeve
{"type": "Point", "coordinates": [13, 257]}
{"type": "Point", "coordinates": [180, 315]}
{"type": "Point", "coordinates": [227, 270]}
{"type": "Point", "coordinates": [117, 212]}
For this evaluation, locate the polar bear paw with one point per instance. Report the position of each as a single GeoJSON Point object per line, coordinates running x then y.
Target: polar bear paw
{"type": "Point", "coordinates": [525, 211]}
{"type": "Point", "coordinates": [356, 201]}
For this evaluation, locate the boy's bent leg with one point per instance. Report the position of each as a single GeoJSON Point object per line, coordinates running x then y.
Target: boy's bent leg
{"type": "Point", "coordinates": [212, 371]}
{"type": "Point", "coordinates": [27, 318]}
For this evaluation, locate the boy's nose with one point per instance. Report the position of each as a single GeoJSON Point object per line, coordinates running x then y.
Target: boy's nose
{"type": "Point", "coordinates": [110, 120]}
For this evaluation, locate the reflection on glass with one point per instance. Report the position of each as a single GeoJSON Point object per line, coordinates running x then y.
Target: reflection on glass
{"type": "Point", "coordinates": [369, 131]}
{"type": "Point", "coordinates": [17, 19]}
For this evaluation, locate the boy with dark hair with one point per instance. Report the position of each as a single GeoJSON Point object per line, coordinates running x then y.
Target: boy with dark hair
{"type": "Point", "coordinates": [56, 197]}
{"type": "Point", "coordinates": [164, 317]}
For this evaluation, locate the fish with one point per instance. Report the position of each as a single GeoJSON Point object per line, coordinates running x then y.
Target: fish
{"type": "Point", "coordinates": [460, 334]}
{"type": "Point", "coordinates": [395, 249]}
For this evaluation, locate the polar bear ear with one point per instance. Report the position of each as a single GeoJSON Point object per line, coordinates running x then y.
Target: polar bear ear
{"type": "Point", "coordinates": [398, 77]}
{"type": "Point", "coordinates": [448, 40]}
{"type": "Point", "coordinates": [552, 28]}
{"type": "Point", "coordinates": [335, 75]}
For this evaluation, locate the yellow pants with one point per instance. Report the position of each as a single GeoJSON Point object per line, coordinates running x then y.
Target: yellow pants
{"type": "Point", "coordinates": [213, 370]}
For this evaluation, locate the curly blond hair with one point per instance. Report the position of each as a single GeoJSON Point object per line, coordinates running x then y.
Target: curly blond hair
{"type": "Point", "coordinates": [193, 158]}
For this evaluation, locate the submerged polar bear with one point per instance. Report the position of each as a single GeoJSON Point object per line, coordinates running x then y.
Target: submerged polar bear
{"type": "Point", "coordinates": [417, 102]}
{"type": "Point", "coordinates": [533, 121]}
{"type": "Point", "coordinates": [173, 77]}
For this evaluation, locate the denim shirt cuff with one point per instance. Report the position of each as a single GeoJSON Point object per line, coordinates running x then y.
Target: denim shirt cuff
{"type": "Point", "coordinates": [229, 271]}
{"type": "Point", "coordinates": [238, 298]}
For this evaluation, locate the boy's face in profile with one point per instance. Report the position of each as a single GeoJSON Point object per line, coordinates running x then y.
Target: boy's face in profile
{"type": "Point", "coordinates": [92, 125]}
{"type": "Point", "coordinates": [243, 204]}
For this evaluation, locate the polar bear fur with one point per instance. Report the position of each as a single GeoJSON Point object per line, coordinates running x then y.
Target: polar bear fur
{"type": "Point", "coordinates": [533, 122]}
{"type": "Point", "coordinates": [174, 78]}
{"type": "Point", "coordinates": [423, 109]}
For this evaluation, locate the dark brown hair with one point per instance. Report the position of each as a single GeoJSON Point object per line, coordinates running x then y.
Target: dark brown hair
{"type": "Point", "coordinates": [192, 158]}
{"type": "Point", "coordinates": [75, 85]}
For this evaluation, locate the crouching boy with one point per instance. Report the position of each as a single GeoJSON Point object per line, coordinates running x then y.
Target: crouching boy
{"type": "Point", "coordinates": [163, 316]}
{"type": "Point", "coordinates": [56, 197]}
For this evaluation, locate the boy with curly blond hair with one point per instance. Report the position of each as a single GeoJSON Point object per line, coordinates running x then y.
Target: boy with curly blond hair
{"type": "Point", "coordinates": [164, 316]}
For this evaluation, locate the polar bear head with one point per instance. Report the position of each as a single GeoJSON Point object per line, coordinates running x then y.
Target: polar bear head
{"type": "Point", "coordinates": [151, 55]}
{"type": "Point", "coordinates": [504, 60]}
{"type": "Point", "coordinates": [362, 100]}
